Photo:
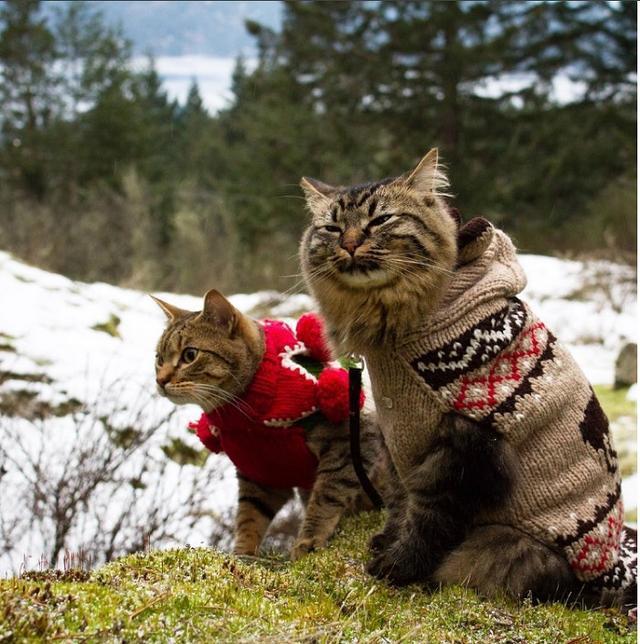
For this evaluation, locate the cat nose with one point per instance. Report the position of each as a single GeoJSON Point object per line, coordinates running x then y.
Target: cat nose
{"type": "Point", "coordinates": [350, 241]}
{"type": "Point", "coordinates": [163, 378]}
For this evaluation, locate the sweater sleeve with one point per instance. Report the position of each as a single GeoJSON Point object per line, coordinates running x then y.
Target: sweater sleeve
{"type": "Point", "coordinates": [207, 433]}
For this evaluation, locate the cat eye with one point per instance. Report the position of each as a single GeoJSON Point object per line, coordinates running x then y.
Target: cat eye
{"type": "Point", "coordinates": [380, 220]}
{"type": "Point", "coordinates": [189, 355]}
{"type": "Point", "coordinates": [159, 361]}
{"type": "Point", "coordinates": [332, 229]}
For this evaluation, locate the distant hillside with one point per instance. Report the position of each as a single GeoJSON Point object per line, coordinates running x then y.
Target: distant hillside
{"type": "Point", "coordinates": [178, 28]}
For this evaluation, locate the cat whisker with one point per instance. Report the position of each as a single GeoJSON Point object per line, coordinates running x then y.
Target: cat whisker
{"type": "Point", "coordinates": [224, 396]}
{"type": "Point", "coordinates": [237, 402]}
{"type": "Point", "coordinates": [411, 263]}
{"type": "Point", "coordinates": [192, 390]}
{"type": "Point", "coordinates": [202, 400]}
{"type": "Point", "coordinates": [209, 400]}
{"type": "Point", "coordinates": [187, 392]}
{"type": "Point", "coordinates": [311, 276]}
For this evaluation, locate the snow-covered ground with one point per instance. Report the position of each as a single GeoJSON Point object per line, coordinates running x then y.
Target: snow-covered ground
{"type": "Point", "coordinates": [53, 351]}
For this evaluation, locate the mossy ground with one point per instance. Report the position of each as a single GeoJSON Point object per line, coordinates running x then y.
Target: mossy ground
{"type": "Point", "coordinates": [622, 414]}
{"type": "Point", "coordinates": [202, 595]}
{"type": "Point", "coordinates": [615, 402]}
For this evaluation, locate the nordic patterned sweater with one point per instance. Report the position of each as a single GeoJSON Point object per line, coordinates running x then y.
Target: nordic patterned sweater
{"type": "Point", "coordinates": [485, 355]}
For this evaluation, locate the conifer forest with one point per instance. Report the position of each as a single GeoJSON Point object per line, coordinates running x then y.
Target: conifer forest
{"type": "Point", "coordinates": [103, 177]}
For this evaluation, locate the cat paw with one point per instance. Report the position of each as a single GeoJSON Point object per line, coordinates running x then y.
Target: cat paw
{"type": "Point", "coordinates": [306, 545]}
{"type": "Point", "coordinates": [245, 551]}
{"type": "Point", "coordinates": [401, 565]}
{"type": "Point", "coordinates": [380, 542]}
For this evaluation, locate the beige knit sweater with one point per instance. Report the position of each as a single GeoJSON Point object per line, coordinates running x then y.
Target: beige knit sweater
{"type": "Point", "coordinates": [485, 355]}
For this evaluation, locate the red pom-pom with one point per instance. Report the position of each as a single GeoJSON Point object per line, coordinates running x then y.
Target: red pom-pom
{"type": "Point", "coordinates": [310, 330]}
{"type": "Point", "coordinates": [202, 429]}
{"type": "Point", "coordinates": [333, 394]}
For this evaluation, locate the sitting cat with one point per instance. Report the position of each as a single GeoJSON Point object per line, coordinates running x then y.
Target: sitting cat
{"type": "Point", "coordinates": [282, 425]}
{"type": "Point", "coordinates": [508, 476]}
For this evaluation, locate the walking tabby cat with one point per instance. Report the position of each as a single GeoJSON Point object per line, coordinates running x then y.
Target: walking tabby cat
{"type": "Point", "coordinates": [278, 421]}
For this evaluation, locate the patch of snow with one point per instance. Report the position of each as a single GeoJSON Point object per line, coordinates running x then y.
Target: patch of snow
{"type": "Point", "coordinates": [630, 491]}
{"type": "Point", "coordinates": [590, 306]}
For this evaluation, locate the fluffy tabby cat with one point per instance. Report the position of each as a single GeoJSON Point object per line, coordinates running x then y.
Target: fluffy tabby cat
{"type": "Point", "coordinates": [209, 358]}
{"type": "Point", "coordinates": [507, 479]}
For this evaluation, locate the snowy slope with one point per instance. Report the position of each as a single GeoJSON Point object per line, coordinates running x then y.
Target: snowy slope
{"type": "Point", "coordinates": [50, 346]}
{"type": "Point", "coordinates": [590, 306]}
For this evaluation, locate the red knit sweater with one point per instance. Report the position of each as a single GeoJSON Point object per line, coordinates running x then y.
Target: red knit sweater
{"type": "Point", "coordinates": [259, 433]}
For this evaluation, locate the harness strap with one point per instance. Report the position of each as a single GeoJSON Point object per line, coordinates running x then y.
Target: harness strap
{"type": "Point", "coordinates": [355, 384]}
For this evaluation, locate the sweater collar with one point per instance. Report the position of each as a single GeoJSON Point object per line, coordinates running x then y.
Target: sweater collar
{"type": "Point", "coordinates": [488, 268]}
{"type": "Point", "coordinates": [255, 402]}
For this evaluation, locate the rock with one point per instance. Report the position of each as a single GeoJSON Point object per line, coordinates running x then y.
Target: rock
{"type": "Point", "coordinates": [626, 366]}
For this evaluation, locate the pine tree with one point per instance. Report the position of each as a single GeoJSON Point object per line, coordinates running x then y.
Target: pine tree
{"type": "Point", "coordinates": [386, 80]}
{"type": "Point", "coordinates": [27, 52]}
{"type": "Point", "coordinates": [194, 133]}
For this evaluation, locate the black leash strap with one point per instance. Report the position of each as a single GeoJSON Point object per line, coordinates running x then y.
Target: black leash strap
{"type": "Point", "coordinates": [355, 385]}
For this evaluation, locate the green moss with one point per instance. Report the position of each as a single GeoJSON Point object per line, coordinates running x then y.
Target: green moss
{"type": "Point", "coordinates": [110, 326]}
{"type": "Point", "coordinates": [177, 450]}
{"type": "Point", "coordinates": [614, 401]}
{"type": "Point", "coordinates": [123, 437]}
{"type": "Point", "coordinates": [623, 416]}
{"type": "Point", "coordinates": [205, 595]}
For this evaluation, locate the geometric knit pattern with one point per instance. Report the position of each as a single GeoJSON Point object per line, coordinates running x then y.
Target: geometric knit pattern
{"type": "Point", "coordinates": [595, 553]}
{"type": "Point", "coordinates": [484, 372]}
{"type": "Point", "coordinates": [625, 571]}
{"type": "Point", "coordinates": [485, 355]}
{"type": "Point", "coordinates": [485, 366]}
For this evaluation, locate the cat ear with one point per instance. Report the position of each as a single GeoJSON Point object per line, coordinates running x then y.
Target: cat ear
{"type": "Point", "coordinates": [315, 187]}
{"type": "Point", "coordinates": [217, 307]}
{"type": "Point", "coordinates": [317, 193]}
{"type": "Point", "coordinates": [172, 312]}
{"type": "Point", "coordinates": [427, 177]}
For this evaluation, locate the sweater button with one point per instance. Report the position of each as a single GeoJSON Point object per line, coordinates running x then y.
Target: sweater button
{"type": "Point", "coordinates": [387, 402]}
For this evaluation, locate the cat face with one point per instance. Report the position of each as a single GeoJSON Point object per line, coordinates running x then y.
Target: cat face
{"type": "Point", "coordinates": [206, 358]}
{"type": "Point", "coordinates": [380, 234]}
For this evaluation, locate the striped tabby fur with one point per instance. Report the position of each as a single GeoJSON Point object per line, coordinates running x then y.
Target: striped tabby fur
{"type": "Point", "coordinates": [378, 257]}
{"type": "Point", "coordinates": [229, 348]}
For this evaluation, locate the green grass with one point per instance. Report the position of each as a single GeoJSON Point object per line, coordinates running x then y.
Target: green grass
{"type": "Point", "coordinates": [623, 416]}
{"type": "Point", "coordinates": [204, 595]}
{"type": "Point", "coordinates": [614, 401]}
